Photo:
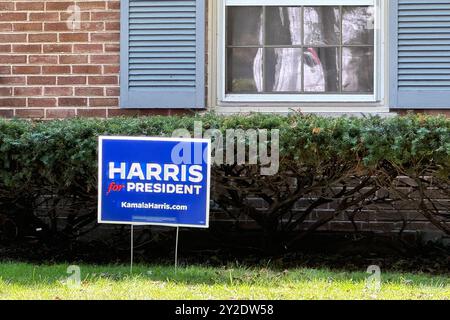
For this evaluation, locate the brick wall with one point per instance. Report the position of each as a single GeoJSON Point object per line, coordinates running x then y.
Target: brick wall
{"type": "Point", "coordinates": [50, 70]}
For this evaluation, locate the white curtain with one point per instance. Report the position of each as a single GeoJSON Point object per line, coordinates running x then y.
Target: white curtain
{"type": "Point", "coordinates": [288, 70]}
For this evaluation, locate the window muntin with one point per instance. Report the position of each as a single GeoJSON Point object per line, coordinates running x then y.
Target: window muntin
{"type": "Point", "coordinates": [286, 52]}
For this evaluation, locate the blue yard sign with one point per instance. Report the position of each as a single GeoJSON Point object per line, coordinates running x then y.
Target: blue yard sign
{"type": "Point", "coordinates": [154, 181]}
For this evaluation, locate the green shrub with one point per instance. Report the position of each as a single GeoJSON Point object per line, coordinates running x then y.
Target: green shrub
{"type": "Point", "coordinates": [49, 169]}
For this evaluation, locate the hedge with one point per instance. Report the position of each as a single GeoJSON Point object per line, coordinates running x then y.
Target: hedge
{"type": "Point", "coordinates": [49, 169]}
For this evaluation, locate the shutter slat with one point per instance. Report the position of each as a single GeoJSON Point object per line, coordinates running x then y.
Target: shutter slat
{"type": "Point", "coordinates": [165, 54]}
{"type": "Point", "coordinates": [422, 53]}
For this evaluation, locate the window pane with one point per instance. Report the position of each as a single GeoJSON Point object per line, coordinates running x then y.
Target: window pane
{"type": "Point", "coordinates": [283, 69]}
{"type": "Point", "coordinates": [357, 74]}
{"type": "Point", "coordinates": [358, 25]}
{"type": "Point", "coordinates": [245, 25]}
{"type": "Point", "coordinates": [321, 69]}
{"type": "Point", "coordinates": [283, 25]}
{"type": "Point", "coordinates": [244, 70]}
{"type": "Point", "coordinates": [322, 26]}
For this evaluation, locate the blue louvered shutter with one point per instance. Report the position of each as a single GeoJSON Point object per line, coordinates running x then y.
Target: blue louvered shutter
{"type": "Point", "coordinates": [162, 54]}
{"type": "Point", "coordinates": [420, 53]}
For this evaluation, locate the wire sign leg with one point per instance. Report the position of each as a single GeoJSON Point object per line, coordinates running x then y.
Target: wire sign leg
{"type": "Point", "coordinates": [176, 249]}
{"type": "Point", "coordinates": [132, 247]}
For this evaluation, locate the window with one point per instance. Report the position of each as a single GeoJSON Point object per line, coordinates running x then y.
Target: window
{"type": "Point", "coordinates": [299, 50]}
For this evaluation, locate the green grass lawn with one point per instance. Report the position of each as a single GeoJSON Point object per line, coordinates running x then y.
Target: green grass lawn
{"type": "Point", "coordinates": [28, 281]}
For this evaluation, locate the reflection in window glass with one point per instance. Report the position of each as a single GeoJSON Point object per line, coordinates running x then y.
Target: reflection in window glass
{"type": "Point", "coordinates": [357, 74]}
{"type": "Point", "coordinates": [283, 69]}
{"type": "Point", "coordinates": [245, 26]}
{"type": "Point", "coordinates": [283, 25]}
{"type": "Point", "coordinates": [358, 25]}
{"type": "Point", "coordinates": [244, 70]}
{"type": "Point", "coordinates": [322, 26]}
{"type": "Point", "coordinates": [321, 69]}
{"type": "Point", "coordinates": [316, 49]}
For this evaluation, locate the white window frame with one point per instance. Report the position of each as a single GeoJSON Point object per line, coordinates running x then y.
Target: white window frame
{"type": "Point", "coordinates": [377, 99]}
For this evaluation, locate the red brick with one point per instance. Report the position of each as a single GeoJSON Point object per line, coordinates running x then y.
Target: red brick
{"type": "Point", "coordinates": [89, 92]}
{"type": "Point", "coordinates": [105, 37]}
{"type": "Point", "coordinates": [114, 5]}
{"type": "Point", "coordinates": [43, 59]}
{"type": "Point", "coordinates": [92, 26]}
{"type": "Point", "coordinates": [87, 69]}
{"type": "Point", "coordinates": [13, 102]}
{"type": "Point", "coordinates": [57, 48]}
{"type": "Point", "coordinates": [12, 37]}
{"type": "Point", "coordinates": [72, 102]}
{"type": "Point", "coordinates": [92, 5]}
{"type": "Point", "coordinates": [27, 48]}
{"type": "Point", "coordinates": [73, 37]}
{"type": "Point", "coordinates": [103, 102]}
{"type": "Point", "coordinates": [44, 16]}
{"type": "Point", "coordinates": [45, 80]}
{"type": "Point", "coordinates": [112, 48]}
{"type": "Point", "coordinates": [6, 6]}
{"type": "Point", "coordinates": [12, 80]}
{"type": "Point", "coordinates": [58, 5]}
{"type": "Point", "coordinates": [87, 48]}
{"type": "Point", "coordinates": [56, 26]}
{"type": "Point", "coordinates": [27, 27]}
{"type": "Point", "coordinates": [26, 70]}
{"type": "Point", "coordinates": [113, 92]}
{"type": "Point", "coordinates": [57, 113]}
{"type": "Point", "coordinates": [71, 80]}
{"type": "Point", "coordinates": [112, 26]}
{"type": "Point", "coordinates": [30, 6]}
{"type": "Point", "coordinates": [68, 16]}
{"type": "Point", "coordinates": [5, 70]}
{"type": "Point", "coordinates": [92, 113]}
{"type": "Point", "coordinates": [105, 16]}
{"type": "Point", "coordinates": [43, 37]}
{"type": "Point", "coordinates": [27, 91]}
{"type": "Point", "coordinates": [42, 102]}
{"type": "Point", "coordinates": [5, 26]}
{"type": "Point", "coordinates": [75, 59]}
{"type": "Point", "coordinates": [13, 16]}
{"type": "Point", "coordinates": [105, 59]}
{"type": "Point", "coordinates": [5, 48]}
{"type": "Point", "coordinates": [30, 113]}
{"type": "Point", "coordinates": [58, 91]}
{"type": "Point", "coordinates": [103, 80]}
{"type": "Point", "coordinates": [56, 70]}
{"type": "Point", "coordinates": [5, 91]}
{"type": "Point", "coordinates": [111, 69]}
{"type": "Point", "coordinates": [11, 59]}
{"type": "Point", "coordinates": [6, 113]}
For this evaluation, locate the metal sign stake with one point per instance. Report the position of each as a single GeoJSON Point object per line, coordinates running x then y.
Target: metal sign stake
{"type": "Point", "coordinates": [132, 247]}
{"type": "Point", "coordinates": [176, 249]}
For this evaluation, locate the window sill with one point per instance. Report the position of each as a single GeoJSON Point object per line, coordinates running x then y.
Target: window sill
{"type": "Point", "coordinates": [300, 99]}
{"type": "Point", "coordinates": [322, 108]}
